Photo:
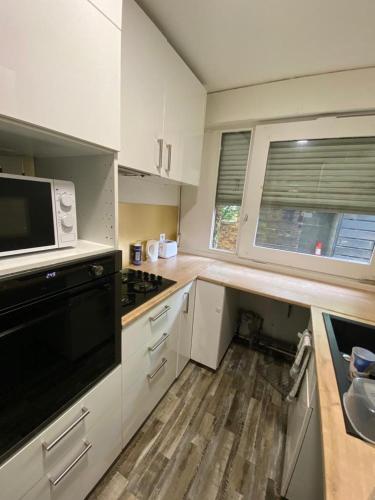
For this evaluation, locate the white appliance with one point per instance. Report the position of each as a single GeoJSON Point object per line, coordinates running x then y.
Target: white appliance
{"type": "Point", "coordinates": [167, 249]}
{"type": "Point", "coordinates": [152, 250]}
{"type": "Point", "coordinates": [36, 214]}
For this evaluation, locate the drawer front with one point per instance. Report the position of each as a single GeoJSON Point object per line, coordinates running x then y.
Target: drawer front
{"type": "Point", "coordinates": [74, 424]}
{"type": "Point", "coordinates": [97, 451]}
{"type": "Point", "coordinates": [33, 461]}
{"type": "Point", "coordinates": [147, 376]}
{"type": "Point", "coordinates": [146, 330]}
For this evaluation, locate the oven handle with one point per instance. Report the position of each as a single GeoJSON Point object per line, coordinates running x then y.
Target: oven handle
{"type": "Point", "coordinates": [61, 476]}
{"type": "Point", "coordinates": [159, 315]}
{"type": "Point", "coordinates": [48, 447]}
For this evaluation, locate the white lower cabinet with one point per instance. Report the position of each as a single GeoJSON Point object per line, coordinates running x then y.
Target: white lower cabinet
{"type": "Point", "coordinates": [214, 323]}
{"type": "Point", "coordinates": [155, 348]}
{"type": "Point", "coordinates": [90, 441]}
{"type": "Point", "coordinates": [185, 330]}
{"type": "Point", "coordinates": [303, 450]}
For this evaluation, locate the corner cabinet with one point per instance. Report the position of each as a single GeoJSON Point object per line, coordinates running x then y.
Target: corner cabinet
{"type": "Point", "coordinates": [60, 67]}
{"type": "Point", "coordinates": [163, 104]}
{"type": "Point", "coordinates": [155, 349]}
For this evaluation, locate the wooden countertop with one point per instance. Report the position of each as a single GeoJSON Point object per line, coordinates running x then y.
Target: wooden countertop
{"type": "Point", "coordinates": [349, 463]}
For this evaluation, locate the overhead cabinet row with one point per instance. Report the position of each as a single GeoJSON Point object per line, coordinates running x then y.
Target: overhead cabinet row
{"type": "Point", "coordinates": [163, 103]}
{"type": "Point", "coordinates": [77, 67]}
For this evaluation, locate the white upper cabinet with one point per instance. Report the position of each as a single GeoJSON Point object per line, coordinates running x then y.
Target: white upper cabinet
{"type": "Point", "coordinates": [185, 107]}
{"type": "Point", "coordinates": [60, 65]}
{"type": "Point", "coordinates": [163, 104]}
{"type": "Point", "coordinates": [142, 91]}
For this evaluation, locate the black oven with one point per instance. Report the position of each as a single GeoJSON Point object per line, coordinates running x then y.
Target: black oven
{"type": "Point", "coordinates": [60, 331]}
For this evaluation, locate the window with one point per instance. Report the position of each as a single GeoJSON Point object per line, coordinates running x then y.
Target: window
{"type": "Point", "coordinates": [311, 196]}
{"type": "Point", "coordinates": [309, 188]}
{"type": "Point", "coordinates": [230, 185]}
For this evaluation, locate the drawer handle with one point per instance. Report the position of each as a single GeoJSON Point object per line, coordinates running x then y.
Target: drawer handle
{"type": "Point", "coordinates": [61, 476]}
{"type": "Point", "coordinates": [150, 376]}
{"type": "Point", "coordinates": [162, 339]}
{"type": "Point", "coordinates": [159, 315]}
{"type": "Point", "coordinates": [48, 447]}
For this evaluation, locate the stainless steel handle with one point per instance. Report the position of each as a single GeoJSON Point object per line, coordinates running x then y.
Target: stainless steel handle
{"type": "Point", "coordinates": [169, 150]}
{"type": "Point", "coordinates": [160, 164]}
{"type": "Point", "coordinates": [48, 447]}
{"type": "Point", "coordinates": [187, 298]}
{"type": "Point", "coordinates": [150, 376]}
{"type": "Point", "coordinates": [159, 315]}
{"type": "Point", "coordinates": [55, 481]}
{"type": "Point", "coordinates": [159, 342]}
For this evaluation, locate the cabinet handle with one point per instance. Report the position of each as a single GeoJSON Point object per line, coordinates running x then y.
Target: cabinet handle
{"type": "Point", "coordinates": [160, 164]}
{"type": "Point", "coordinates": [150, 376]}
{"type": "Point", "coordinates": [159, 342]}
{"type": "Point", "coordinates": [48, 447]}
{"type": "Point", "coordinates": [159, 315]}
{"type": "Point", "coordinates": [55, 481]}
{"type": "Point", "coordinates": [169, 149]}
{"type": "Point", "coordinates": [187, 302]}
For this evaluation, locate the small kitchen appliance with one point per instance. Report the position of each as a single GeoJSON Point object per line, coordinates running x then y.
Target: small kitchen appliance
{"type": "Point", "coordinates": [139, 287]}
{"type": "Point", "coordinates": [167, 249]}
{"type": "Point", "coordinates": [152, 250]}
{"type": "Point", "coordinates": [36, 214]}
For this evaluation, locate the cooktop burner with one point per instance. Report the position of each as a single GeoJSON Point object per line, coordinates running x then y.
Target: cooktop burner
{"type": "Point", "coordinates": [139, 286]}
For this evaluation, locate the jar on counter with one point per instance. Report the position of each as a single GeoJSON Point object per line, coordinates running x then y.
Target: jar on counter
{"type": "Point", "coordinates": [137, 253]}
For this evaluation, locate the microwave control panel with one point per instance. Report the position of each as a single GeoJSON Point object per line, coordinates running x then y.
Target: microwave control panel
{"type": "Point", "coordinates": [66, 216]}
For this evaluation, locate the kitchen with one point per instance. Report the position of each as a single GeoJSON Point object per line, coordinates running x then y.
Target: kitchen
{"type": "Point", "coordinates": [171, 219]}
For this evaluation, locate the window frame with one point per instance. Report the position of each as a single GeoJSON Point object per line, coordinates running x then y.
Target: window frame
{"type": "Point", "coordinates": [263, 135]}
{"type": "Point", "coordinates": [217, 144]}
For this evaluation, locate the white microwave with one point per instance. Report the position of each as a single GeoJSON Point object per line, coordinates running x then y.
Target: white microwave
{"type": "Point", "coordinates": [36, 214]}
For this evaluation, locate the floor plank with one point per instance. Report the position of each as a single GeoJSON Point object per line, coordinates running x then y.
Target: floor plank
{"type": "Point", "coordinates": [218, 436]}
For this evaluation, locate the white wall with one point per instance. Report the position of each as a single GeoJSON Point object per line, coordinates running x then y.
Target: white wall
{"type": "Point", "coordinates": [336, 92]}
{"type": "Point", "coordinates": [150, 191]}
{"type": "Point", "coordinates": [345, 91]}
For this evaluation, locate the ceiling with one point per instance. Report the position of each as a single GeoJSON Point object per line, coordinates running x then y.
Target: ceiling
{"type": "Point", "coordinates": [234, 43]}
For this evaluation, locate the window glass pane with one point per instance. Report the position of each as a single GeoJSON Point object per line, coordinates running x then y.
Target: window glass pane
{"type": "Point", "coordinates": [319, 198]}
{"type": "Point", "coordinates": [230, 184]}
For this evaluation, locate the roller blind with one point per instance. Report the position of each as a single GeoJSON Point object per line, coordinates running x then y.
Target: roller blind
{"type": "Point", "coordinates": [327, 174]}
{"type": "Point", "coordinates": [232, 167]}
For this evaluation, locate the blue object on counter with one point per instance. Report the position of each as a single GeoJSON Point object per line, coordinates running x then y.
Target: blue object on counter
{"type": "Point", "coordinates": [137, 253]}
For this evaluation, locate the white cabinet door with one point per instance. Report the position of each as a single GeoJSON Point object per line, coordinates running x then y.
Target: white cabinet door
{"type": "Point", "coordinates": [185, 104]}
{"type": "Point", "coordinates": [212, 331]}
{"type": "Point", "coordinates": [142, 91]}
{"type": "Point", "coordinates": [185, 330]}
{"type": "Point", "coordinates": [60, 68]}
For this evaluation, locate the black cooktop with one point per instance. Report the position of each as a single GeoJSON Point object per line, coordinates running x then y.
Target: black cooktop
{"type": "Point", "coordinates": [139, 287]}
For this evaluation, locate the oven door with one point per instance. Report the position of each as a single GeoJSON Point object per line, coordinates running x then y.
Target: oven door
{"type": "Point", "coordinates": [52, 352]}
{"type": "Point", "coordinates": [27, 215]}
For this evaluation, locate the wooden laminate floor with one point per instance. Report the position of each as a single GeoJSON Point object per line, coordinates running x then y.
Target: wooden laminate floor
{"type": "Point", "coordinates": [213, 436]}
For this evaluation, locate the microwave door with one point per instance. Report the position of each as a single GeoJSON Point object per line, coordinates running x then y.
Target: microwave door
{"type": "Point", "coordinates": [27, 215]}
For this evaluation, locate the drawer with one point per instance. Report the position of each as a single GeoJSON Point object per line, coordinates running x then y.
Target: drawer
{"type": "Point", "coordinates": [146, 378]}
{"type": "Point", "coordinates": [146, 330]}
{"type": "Point", "coordinates": [103, 445]}
{"type": "Point", "coordinates": [33, 461]}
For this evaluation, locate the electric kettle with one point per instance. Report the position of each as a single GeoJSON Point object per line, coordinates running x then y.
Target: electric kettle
{"type": "Point", "coordinates": [152, 250]}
